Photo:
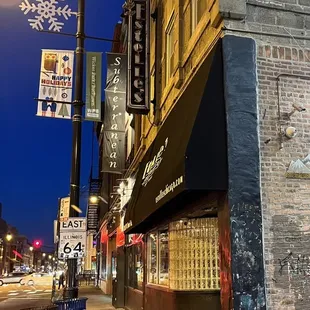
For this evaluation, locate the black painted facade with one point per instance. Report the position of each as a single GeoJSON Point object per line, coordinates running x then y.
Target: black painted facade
{"type": "Point", "coordinates": [244, 200]}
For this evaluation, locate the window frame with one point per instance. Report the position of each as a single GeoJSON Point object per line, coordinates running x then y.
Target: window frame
{"type": "Point", "coordinates": [157, 233]}
{"type": "Point", "coordinates": [194, 11]}
{"type": "Point", "coordinates": [169, 47]}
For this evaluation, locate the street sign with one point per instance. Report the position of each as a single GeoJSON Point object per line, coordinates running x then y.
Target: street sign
{"type": "Point", "coordinates": [72, 244]}
{"type": "Point", "coordinates": [64, 209]}
{"type": "Point", "coordinates": [73, 224]}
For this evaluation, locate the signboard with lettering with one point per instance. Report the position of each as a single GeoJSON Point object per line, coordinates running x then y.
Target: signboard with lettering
{"type": "Point", "coordinates": [64, 209]}
{"type": "Point", "coordinates": [92, 218]}
{"type": "Point", "coordinates": [73, 224]}
{"type": "Point", "coordinates": [93, 86]}
{"type": "Point", "coordinates": [72, 244]}
{"type": "Point", "coordinates": [114, 115]}
{"type": "Point", "coordinates": [138, 56]}
{"type": "Point", "coordinates": [72, 239]}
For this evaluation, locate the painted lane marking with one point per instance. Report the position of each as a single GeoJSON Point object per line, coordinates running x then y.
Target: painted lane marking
{"type": "Point", "coordinates": [12, 291]}
{"type": "Point", "coordinates": [13, 294]}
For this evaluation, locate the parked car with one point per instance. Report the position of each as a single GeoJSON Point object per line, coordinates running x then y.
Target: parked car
{"type": "Point", "coordinates": [38, 279]}
{"type": "Point", "coordinates": [16, 277]}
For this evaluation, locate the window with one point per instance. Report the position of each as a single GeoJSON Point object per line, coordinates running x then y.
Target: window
{"type": "Point", "coordinates": [198, 7]}
{"type": "Point", "coordinates": [194, 257]}
{"type": "Point", "coordinates": [170, 42]}
{"type": "Point", "coordinates": [103, 261]}
{"type": "Point", "coordinates": [152, 258]}
{"type": "Point", "coordinates": [135, 266]}
{"type": "Point", "coordinates": [158, 258]}
{"type": "Point", "coordinates": [163, 258]}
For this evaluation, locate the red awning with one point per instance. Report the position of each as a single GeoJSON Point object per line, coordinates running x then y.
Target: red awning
{"type": "Point", "coordinates": [17, 254]}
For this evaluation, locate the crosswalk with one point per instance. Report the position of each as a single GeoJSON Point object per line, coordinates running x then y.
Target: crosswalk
{"type": "Point", "coordinates": [28, 292]}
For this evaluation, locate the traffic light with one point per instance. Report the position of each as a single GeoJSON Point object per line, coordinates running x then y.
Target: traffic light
{"type": "Point", "coordinates": [37, 244]}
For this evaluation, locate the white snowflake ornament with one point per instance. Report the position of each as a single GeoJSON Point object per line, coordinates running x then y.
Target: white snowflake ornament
{"type": "Point", "coordinates": [46, 11]}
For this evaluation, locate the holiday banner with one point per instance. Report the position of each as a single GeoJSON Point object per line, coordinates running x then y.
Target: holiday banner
{"type": "Point", "coordinates": [93, 86]}
{"type": "Point", "coordinates": [56, 81]}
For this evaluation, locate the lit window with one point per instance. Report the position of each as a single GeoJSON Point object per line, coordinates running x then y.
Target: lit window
{"type": "Point", "coordinates": [194, 254]}
{"type": "Point", "coordinates": [152, 258]}
{"type": "Point", "coordinates": [158, 258]}
{"type": "Point", "coordinates": [198, 7]}
{"type": "Point", "coordinates": [170, 41]}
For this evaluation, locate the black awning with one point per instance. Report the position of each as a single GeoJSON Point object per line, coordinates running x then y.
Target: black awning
{"type": "Point", "coordinates": [189, 153]}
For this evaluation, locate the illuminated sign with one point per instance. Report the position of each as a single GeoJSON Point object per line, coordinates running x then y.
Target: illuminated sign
{"type": "Point", "coordinates": [138, 56]}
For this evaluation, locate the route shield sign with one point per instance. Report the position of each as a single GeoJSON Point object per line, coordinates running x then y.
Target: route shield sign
{"type": "Point", "coordinates": [72, 240]}
{"type": "Point", "coordinates": [72, 244]}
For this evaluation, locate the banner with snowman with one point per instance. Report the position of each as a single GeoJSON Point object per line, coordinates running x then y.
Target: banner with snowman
{"type": "Point", "coordinates": [56, 81]}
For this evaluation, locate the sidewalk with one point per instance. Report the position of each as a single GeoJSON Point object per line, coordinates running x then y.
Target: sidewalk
{"type": "Point", "coordinates": [96, 299]}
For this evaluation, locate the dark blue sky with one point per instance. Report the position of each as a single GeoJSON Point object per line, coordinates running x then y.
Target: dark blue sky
{"type": "Point", "coordinates": [35, 152]}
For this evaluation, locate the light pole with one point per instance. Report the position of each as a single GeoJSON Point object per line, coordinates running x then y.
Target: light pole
{"type": "Point", "coordinates": [8, 238]}
{"type": "Point", "coordinates": [71, 289]}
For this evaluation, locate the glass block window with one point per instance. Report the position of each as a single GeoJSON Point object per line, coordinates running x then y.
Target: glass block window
{"type": "Point", "coordinates": [194, 254]}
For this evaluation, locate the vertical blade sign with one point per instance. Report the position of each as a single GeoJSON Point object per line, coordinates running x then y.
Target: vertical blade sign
{"type": "Point", "coordinates": [93, 87]}
{"type": "Point", "coordinates": [138, 56]}
{"type": "Point", "coordinates": [114, 116]}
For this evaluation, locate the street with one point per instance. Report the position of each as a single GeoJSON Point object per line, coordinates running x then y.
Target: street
{"type": "Point", "coordinates": [17, 297]}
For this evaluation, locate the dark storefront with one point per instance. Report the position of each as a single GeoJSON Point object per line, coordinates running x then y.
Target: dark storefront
{"type": "Point", "coordinates": [175, 201]}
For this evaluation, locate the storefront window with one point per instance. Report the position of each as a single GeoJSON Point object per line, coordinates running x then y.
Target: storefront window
{"type": "Point", "coordinates": [194, 257]}
{"type": "Point", "coordinates": [152, 258]}
{"type": "Point", "coordinates": [135, 265]}
{"type": "Point", "coordinates": [139, 265]}
{"type": "Point", "coordinates": [103, 260]}
{"type": "Point", "coordinates": [163, 258]}
{"type": "Point", "coordinates": [158, 258]}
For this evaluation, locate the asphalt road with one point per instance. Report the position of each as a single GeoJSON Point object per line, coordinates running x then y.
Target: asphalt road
{"type": "Point", "coordinates": [17, 297]}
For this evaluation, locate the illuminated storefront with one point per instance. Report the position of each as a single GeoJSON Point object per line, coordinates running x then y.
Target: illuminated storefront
{"type": "Point", "coordinates": [176, 199]}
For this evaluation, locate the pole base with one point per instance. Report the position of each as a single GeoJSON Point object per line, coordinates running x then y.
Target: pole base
{"type": "Point", "coordinates": [70, 292]}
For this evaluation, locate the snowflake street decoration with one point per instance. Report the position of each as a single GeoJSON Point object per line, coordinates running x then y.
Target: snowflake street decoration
{"type": "Point", "coordinates": [46, 11]}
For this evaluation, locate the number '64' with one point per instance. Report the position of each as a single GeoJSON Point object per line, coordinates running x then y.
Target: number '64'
{"type": "Point", "coordinates": [68, 250]}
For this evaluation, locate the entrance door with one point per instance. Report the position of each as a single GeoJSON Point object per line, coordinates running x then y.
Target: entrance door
{"type": "Point", "coordinates": [118, 298]}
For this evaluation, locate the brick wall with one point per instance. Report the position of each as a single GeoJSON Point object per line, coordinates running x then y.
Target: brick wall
{"type": "Point", "coordinates": [281, 29]}
{"type": "Point", "coordinates": [278, 21]}
{"type": "Point", "coordinates": [286, 202]}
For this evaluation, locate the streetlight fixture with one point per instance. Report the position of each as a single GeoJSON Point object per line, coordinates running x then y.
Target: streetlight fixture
{"type": "Point", "coordinates": [50, 256]}
{"type": "Point", "coordinates": [94, 199]}
{"type": "Point", "coordinates": [31, 248]}
{"type": "Point", "coordinates": [9, 237]}
{"type": "Point", "coordinates": [43, 254]}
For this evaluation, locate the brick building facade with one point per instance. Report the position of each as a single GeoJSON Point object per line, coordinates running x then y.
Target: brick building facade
{"type": "Point", "coordinates": [264, 58]}
{"type": "Point", "coordinates": [281, 33]}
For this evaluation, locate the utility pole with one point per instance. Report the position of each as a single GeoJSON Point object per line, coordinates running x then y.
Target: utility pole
{"type": "Point", "coordinates": [71, 290]}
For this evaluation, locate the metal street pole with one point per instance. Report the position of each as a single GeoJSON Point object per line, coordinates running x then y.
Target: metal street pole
{"type": "Point", "coordinates": [71, 290]}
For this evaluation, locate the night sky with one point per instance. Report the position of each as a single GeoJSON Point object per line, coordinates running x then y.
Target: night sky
{"type": "Point", "coordinates": [35, 152]}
